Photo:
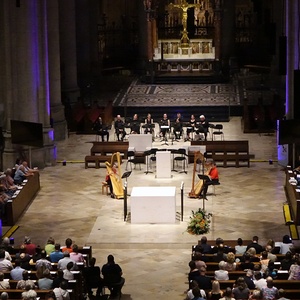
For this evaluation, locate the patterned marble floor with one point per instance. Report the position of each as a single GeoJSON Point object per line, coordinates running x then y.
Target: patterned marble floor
{"type": "Point", "coordinates": [140, 94]}
{"type": "Point", "coordinates": [154, 257]}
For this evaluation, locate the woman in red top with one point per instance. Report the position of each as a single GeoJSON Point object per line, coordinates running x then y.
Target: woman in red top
{"type": "Point", "coordinates": [213, 176]}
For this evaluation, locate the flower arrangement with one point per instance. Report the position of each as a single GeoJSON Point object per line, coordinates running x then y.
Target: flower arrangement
{"type": "Point", "coordinates": [199, 222]}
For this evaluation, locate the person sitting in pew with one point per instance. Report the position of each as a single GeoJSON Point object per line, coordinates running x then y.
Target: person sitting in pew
{"type": "Point", "coordinates": [249, 279]}
{"type": "Point", "coordinates": [57, 254]}
{"type": "Point", "coordinates": [4, 284]}
{"type": "Point", "coordinates": [92, 278]}
{"type": "Point", "coordinates": [286, 263]}
{"type": "Point", "coordinates": [43, 262]}
{"type": "Point", "coordinates": [68, 275]}
{"type": "Point", "coordinates": [204, 282]}
{"type": "Point", "coordinates": [246, 263]}
{"type": "Point", "coordinates": [240, 290]}
{"type": "Point", "coordinates": [205, 247]}
{"type": "Point", "coordinates": [259, 248]}
{"type": "Point", "coordinates": [62, 263]}
{"type": "Point", "coordinates": [25, 282]}
{"type": "Point", "coordinates": [227, 294]}
{"type": "Point", "coordinates": [259, 281]}
{"type": "Point", "coordinates": [75, 255]}
{"type": "Point", "coordinates": [112, 274]}
{"type": "Point", "coordinates": [270, 292]}
{"type": "Point", "coordinates": [68, 246]}
{"type": "Point", "coordinates": [17, 271]}
{"type": "Point", "coordinates": [221, 274]}
{"type": "Point", "coordinates": [215, 292]}
{"type": "Point", "coordinates": [197, 294]}
{"type": "Point", "coordinates": [58, 279]}
{"type": "Point", "coordinates": [294, 272]}
{"type": "Point", "coordinates": [62, 293]}
{"type": "Point", "coordinates": [281, 294]}
{"type": "Point", "coordinates": [5, 264]}
{"type": "Point", "coordinates": [45, 283]}
{"type": "Point", "coordinates": [230, 262]}
{"type": "Point", "coordinates": [194, 271]}
{"type": "Point", "coordinates": [29, 295]}
{"type": "Point", "coordinates": [240, 248]}
{"type": "Point", "coordinates": [4, 296]}
{"type": "Point", "coordinates": [190, 294]}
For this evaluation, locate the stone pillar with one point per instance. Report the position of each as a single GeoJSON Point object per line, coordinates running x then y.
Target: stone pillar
{"type": "Point", "coordinates": [67, 29]}
{"type": "Point", "coordinates": [26, 76]}
{"type": "Point", "coordinates": [57, 110]}
{"type": "Point", "coordinates": [292, 58]}
{"type": "Point", "coordinates": [218, 34]}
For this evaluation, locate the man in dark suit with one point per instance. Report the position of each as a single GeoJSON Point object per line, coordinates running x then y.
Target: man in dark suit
{"type": "Point", "coordinates": [92, 278]}
{"type": "Point", "coordinates": [255, 245]}
{"type": "Point", "coordinates": [202, 126]}
{"type": "Point", "coordinates": [204, 282]}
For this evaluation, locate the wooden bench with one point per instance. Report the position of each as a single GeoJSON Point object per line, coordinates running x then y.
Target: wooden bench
{"type": "Point", "coordinates": [105, 148]}
{"type": "Point", "coordinates": [279, 283]}
{"type": "Point", "coordinates": [226, 152]}
{"type": "Point", "coordinates": [17, 205]}
{"type": "Point", "coordinates": [17, 294]}
{"type": "Point", "coordinates": [96, 160]}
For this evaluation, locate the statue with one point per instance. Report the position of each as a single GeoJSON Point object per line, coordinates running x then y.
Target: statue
{"type": "Point", "coordinates": [184, 6]}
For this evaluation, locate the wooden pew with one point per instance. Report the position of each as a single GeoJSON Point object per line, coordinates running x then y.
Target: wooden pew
{"type": "Point", "coordinates": [108, 148]}
{"type": "Point", "coordinates": [95, 160]}
{"type": "Point", "coordinates": [17, 294]}
{"type": "Point", "coordinates": [233, 275]}
{"type": "Point", "coordinates": [226, 152]}
{"type": "Point", "coordinates": [279, 283]}
{"type": "Point", "coordinates": [17, 205]}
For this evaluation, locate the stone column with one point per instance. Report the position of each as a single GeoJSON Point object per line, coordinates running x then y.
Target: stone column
{"type": "Point", "coordinates": [218, 34]}
{"type": "Point", "coordinates": [292, 58]}
{"type": "Point", "coordinates": [67, 29]}
{"type": "Point", "coordinates": [57, 110]}
{"type": "Point", "coordinates": [26, 89]}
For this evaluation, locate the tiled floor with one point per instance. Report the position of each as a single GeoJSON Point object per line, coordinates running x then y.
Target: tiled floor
{"type": "Point", "coordinates": [154, 257]}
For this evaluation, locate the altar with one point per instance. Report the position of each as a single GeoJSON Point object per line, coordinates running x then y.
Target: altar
{"type": "Point", "coordinates": [153, 205]}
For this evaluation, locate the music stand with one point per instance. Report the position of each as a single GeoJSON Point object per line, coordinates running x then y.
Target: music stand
{"type": "Point", "coordinates": [126, 175]}
{"type": "Point", "coordinates": [165, 137]}
{"type": "Point", "coordinates": [204, 178]}
{"type": "Point", "coordinates": [147, 153]}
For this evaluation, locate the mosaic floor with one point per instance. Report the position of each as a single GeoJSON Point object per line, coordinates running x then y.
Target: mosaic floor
{"type": "Point", "coordinates": [139, 94]}
{"type": "Point", "coordinates": [154, 257]}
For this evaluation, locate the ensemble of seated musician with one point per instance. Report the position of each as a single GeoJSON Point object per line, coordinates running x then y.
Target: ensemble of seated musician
{"type": "Point", "coordinates": [177, 127]}
{"type": "Point", "coordinates": [120, 128]}
{"type": "Point", "coordinates": [135, 125]}
{"type": "Point", "coordinates": [202, 126]}
{"type": "Point", "coordinates": [101, 129]}
{"type": "Point", "coordinates": [191, 128]}
{"type": "Point", "coordinates": [164, 127]}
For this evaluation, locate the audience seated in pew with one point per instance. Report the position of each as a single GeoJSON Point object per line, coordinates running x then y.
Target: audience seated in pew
{"type": "Point", "coordinates": [68, 246]}
{"type": "Point", "coordinates": [92, 278]}
{"type": "Point", "coordinates": [221, 274]}
{"type": "Point", "coordinates": [61, 292]}
{"type": "Point", "coordinates": [56, 255]}
{"type": "Point", "coordinates": [215, 292]}
{"type": "Point", "coordinates": [4, 284]}
{"type": "Point", "coordinates": [50, 246]}
{"type": "Point", "coordinates": [240, 248]}
{"type": "Point", "coordinates": [62, 263]}
{"type": "Point", "coordinates": [241, 290]}
{"type": "Point", "coordinates": [75, 255]}
{"type": "Point", "coordinates": [295, 270]}
{"type": "Point", "coordinates": [45, 283]}
{"type": "Point", "coordinates": [190, 294]}
{"type": "Point", "coordinates": [25, 282]}
{"type": "Point", "coordinates": [5, 264]}
{"type": "Point", "coordinates": [17, 272]}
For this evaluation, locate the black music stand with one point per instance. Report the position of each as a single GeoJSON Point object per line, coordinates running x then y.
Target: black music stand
{"type": "Point", "coordinates": [165, 137]}
{"type": "Point", "coordinates": [126, 175]}
{"type": "Point", "coordinates": [147, 153]}
{"type": "Point", "coordinates": [204, 178]}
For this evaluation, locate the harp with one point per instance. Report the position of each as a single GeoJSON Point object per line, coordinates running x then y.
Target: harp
{"type": "Point", "coordinates": [115, 177]}
{"type": "Point", "coordinates": [196, 188]}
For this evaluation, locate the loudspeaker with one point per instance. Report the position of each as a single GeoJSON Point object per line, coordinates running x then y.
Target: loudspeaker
{"type": "Point", "coordinates": [296, 94]}
{"type": "Point", "coordinates": [282, 55]}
